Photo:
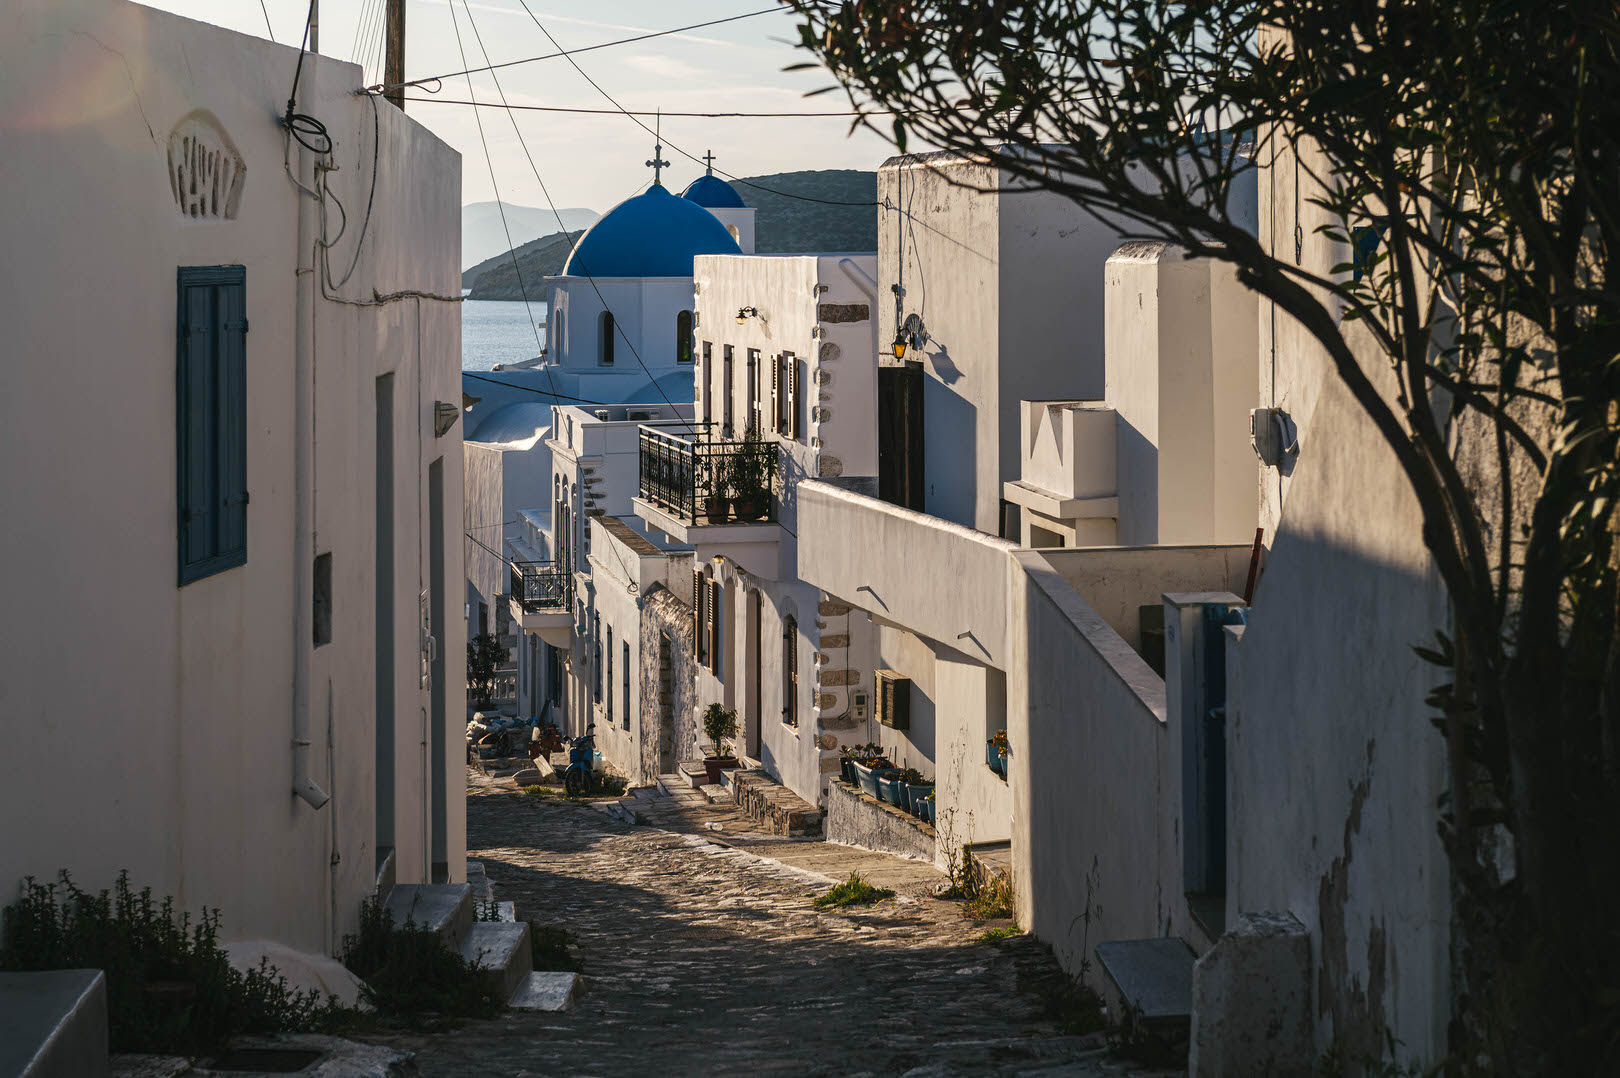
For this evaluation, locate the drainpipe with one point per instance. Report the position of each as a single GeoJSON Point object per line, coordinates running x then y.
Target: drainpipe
{"type": "Point", "coordinates": [859, 276]}
{"type": "Point", "coordinates": [303, 628]}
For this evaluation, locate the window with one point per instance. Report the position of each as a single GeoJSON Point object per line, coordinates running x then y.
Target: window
{"type": "Point", "coordinates": [323, 599]}
{"type": "Point", "coordinates": [596, 656]}
{"type": "Point", "coordinates": [212, 420]}
{"type": "Point", "coordinates": [610, 674]}
{"type": "Point", "coordinates": [624, 666]}
{"type": "Point", "coordinates": [607, 338]}
{"type": "Point", "coordinates": [557, 327]}
{"type": "Point", "coordinates": [705, 389]}
{"type": "Point", "coordinates": [790, 671]}
{"type": "Point", "coordinates": [792, 397]}
{"type": "Point", "coordinates": [725, 402]}
{"type": "Point", "coordinates": [683, 337]}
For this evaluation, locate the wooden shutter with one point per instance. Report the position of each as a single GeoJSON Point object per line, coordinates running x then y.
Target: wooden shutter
{"type": "Point", "coordinates": [715, 623]}
{"type": "Point", "coordinates": [700, 589]}
{"type": "Point", "coordinates": [776, 392]}
{"type": "Point", "coordinates": [211, 414]}
{"type": "Point", "coordinates": [893, 700]}
{"type": "Point", "coordinates": [795, 396]}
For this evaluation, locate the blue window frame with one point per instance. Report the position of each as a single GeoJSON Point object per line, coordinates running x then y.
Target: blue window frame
{"type": "Point", "coordinates": [211, 419]}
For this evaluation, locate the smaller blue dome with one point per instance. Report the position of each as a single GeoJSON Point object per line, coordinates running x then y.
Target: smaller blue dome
{"type": "Point", "coordinates": [653, 234]}
{"type": "Point", "coordinates": [713, 193]}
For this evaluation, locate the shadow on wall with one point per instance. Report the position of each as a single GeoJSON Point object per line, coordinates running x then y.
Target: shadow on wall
{"type": "Point", "coordinates": [950, 436]}
{"type": "Point", "coordinates": [1348, 843]}
{"type": "Point", "coordinates": [944, 367]}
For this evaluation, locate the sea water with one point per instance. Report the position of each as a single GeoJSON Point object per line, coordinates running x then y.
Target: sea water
{"type": "Point", "coordinates": [499, 331]}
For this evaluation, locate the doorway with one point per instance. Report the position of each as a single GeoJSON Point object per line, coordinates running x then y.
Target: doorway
{"type": "Point", "coordinates": [753, 736]}
{"type": "Point", "coordinates": [383, 585]}
{"type": "Point", "coordinates": [436, 724]}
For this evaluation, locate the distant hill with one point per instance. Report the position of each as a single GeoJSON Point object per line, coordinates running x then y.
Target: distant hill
{"type": "Point", "coordinates": [494, 278]}
{"type": "Point", "coordinates": [483, 237]}
{"type": "Point", "coordinates": [783, 224]}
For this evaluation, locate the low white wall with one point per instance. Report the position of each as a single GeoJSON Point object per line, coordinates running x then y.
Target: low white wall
{"type": "Point", "coordinates": [891, 561]}
{"type": "Point", "coordinates": [1088, 770]}
{"type": "Point", "coordinates": [1116, 582]}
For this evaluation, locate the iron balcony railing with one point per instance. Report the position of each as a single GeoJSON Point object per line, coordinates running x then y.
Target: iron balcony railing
{"type": "Point", "coordinates": [702, 480]}
{"type": "Point", "coordinates": [542, 587]}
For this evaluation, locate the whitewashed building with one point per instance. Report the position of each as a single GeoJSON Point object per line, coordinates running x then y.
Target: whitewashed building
{"type": "Point", "coordinates": [233, 476]}
{"type": "Point", "coordinates": [786, 391]}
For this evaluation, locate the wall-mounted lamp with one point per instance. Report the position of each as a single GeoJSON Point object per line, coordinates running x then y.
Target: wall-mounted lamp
{"type": "Point", "coordinates": [745, 313]}
{"type": "Point", "coordinates": [910, 335]}
{"type": "Point", "coordinates": [719, 559]}
{"type": "Point", "coordinates": [900, 344]}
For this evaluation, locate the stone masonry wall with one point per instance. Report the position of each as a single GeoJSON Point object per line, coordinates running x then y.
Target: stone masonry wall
{"type": "Point", "coordinates": [667, 690]}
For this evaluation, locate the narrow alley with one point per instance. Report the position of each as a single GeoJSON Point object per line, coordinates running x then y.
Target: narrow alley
{"type": "Point", "coordinates": [707, 958]}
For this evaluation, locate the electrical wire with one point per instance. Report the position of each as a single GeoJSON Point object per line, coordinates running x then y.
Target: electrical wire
{"type": "Point", "coordinates": [540, 392]}
{"type": "Point", "coordinates": [310, 132]}
{"type": "Point", "coordinates": [499, 205]}
{"type": "Point", "coordinates": [618, 326]}
{"type": "Point", "coordinates": [267, 27]}
{"type": "Point", "coordinates": [637, 121]}
{"type": "Point", "coordinates": [587, 48]}
{"type": "Point", "coordinates": [661, 112]}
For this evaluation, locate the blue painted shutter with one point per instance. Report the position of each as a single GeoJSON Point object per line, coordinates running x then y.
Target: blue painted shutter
{"type": "Point", "coordinates": [211, 410]}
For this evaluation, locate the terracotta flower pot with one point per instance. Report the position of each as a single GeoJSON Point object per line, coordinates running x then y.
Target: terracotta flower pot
{"type": "Point", "coordinates": [714, 765]}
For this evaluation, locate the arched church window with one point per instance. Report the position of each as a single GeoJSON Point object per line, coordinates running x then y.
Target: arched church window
{"type": "Point", "coordinates": [735, 235]}
{"type": "Point", "coordinates": [683, 337]}
{"type": "Point", "coordinates": [557, 327]}
{"type": "Point", "coordinates": [607, 338]}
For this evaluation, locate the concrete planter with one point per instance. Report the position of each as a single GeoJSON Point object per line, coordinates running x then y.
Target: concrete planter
{"type": "Point", "coordinates": [930, 810]}
{"type": "Point", "coordinates": [916, 794]}
{"type": "Point", "coordinates": [867, 779]}
{"type": "Point", "coordinates": [891, 788]}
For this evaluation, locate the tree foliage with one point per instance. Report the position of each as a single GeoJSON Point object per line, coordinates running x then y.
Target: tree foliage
{"type": "Point", "coordinates": [1463, 157]}
{"type": "Point", "coordinates": [485, 656]}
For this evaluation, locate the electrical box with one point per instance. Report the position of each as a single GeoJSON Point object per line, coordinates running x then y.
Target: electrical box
{"type": "Point", "coordinates": [1273, 435]}
{"type": "Point", "coordinates": [857, 703]}
{"type": "Point", "coordinates": [893, 700]}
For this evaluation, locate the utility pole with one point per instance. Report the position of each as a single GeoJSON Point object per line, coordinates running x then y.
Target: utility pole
{"type": "Point", "coordinates": [314, 25]}
{"type": "Point", "coordinates": [394, 58]}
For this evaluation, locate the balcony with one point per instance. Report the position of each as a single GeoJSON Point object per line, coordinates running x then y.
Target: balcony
{"type": "Point", "coordinates": [542, 598]}
{"type": "Point", "coordinates": [720, 496]}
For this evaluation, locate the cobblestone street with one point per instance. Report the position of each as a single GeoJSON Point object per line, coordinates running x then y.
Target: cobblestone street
{"type": "Point", "coordinates": [704, 959]}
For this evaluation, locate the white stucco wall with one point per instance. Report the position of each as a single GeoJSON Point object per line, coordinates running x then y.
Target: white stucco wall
{"type": "Point", "coordinates": [188, 691]}
{"type": "Point", "coordinates": [1334, 772]}
{"type": "Point", "coordinates": [644, 309]}
{"type": "Point", "coordinates": [1181, 364]}
{"type": "Point", "coordinates": [1009, 289]}
{"type": "Point", "coordinates": [1116, 582]}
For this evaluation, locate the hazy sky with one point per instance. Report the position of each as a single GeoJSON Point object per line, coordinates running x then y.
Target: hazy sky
{"type": "Point", "coordinates": [591, 160]}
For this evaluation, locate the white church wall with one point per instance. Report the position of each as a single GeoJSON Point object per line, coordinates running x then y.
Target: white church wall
{"type": "Point", "coordinates": [191, 687]}
{"type": "Point", "coordinates": [644, 311]}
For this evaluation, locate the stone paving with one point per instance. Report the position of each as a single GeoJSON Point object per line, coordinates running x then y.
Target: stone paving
{"type": "Point", "coordinates": [702, 958]}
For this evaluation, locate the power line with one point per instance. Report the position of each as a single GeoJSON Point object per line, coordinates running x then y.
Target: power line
{"type": "Point", "coordinates": [642, 112]}
{"type": "Point", "coordinates": [618, 326]}
{"type": "Point", "coordinates": [517, 270]}
{"type": "Point", "coordinates": [267, 27]}
{"type": "Point", "coordinates": [539, 392]}
{"type": "Point", "coordinates": [637, 121]}
{"type": "Point", "coordinates": [587, 48]}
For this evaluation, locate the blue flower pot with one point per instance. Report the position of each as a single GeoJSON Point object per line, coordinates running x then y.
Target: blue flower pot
{"type": "Point", "coordinates": [917, 793]}
{"type": "Point", "coordinates": [930, 808]}
{"type": "Point", "coordinates": [847, 767]}
{"type": "Point", "coordinates": [867, 778]}
{"type": "Point", "coordinates": [890, 788]}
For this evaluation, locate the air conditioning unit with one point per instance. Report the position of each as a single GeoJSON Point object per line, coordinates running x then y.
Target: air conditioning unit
{"type": "Point", "coordinates": [893, 700]}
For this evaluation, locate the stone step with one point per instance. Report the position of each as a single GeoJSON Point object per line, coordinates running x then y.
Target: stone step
{"type": "Point", "coordinates": [779, 810]}
{"type": "Point", "coordinates": [546, 991]}
{"type": "Point", "coordinates": [694, 772]}
{"type": "Point", "coordinates": [442, 908]}
{"type": "Point", "coordinates": [668, 784]}
{"type": "Point", "coordinates": [501, 952]}
{"type": "Point", "coordinates": [53, 1024]}
{"type": "Point", "coordinates": [715, 794]}
{"type": "Point", "coordinates": [1154, 977]}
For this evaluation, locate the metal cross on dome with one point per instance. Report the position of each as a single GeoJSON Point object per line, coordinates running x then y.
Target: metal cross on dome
{"type": "Point", "coordinates": [708, 159]}
{"type": "Point", "coordinates": [658, 164]}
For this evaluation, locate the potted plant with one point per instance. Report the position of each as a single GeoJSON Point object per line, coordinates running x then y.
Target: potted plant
{"type": "Point", "coordinates": [894, 788]}
{"type": "Point", "coordinates": [715, 501]}
{"type": "Point", "coordinates": [930, 807]}
{"type": "Point", "coordinates": [996, 752]}
{"type": "Point", "coordinates": [719, 726]}
{"type": "Point", "coordinates": [748, 471]}
{"type": "Point", "coordinates": [846, 765]}
{"type": "Point", "coordinates": [917, 787]}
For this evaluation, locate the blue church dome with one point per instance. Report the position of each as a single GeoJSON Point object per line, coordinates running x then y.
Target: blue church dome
{"type": "Point", "coordinates": [653, 234]}
{"type": "Point", "coordinates": [713, 192]}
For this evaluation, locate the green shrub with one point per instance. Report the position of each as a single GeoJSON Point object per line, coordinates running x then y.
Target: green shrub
{"type": "Point", "coordinates": [854, 891]}
{"type": "Point", "coordinates": [170, 987]}
{"type": "Point", "coordinates": [720, 726]}
{"type": "Point", "coordinates": [408, 971]}
{"type": "Point", "coordinates": [549, 948]}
